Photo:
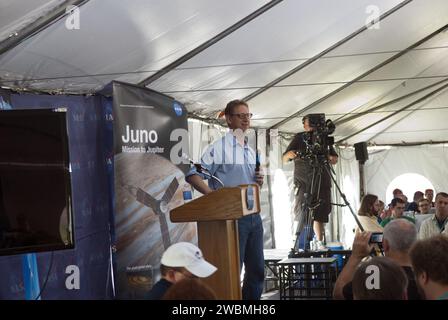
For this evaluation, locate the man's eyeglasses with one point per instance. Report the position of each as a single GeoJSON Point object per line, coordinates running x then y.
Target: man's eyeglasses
{"type": "Point", "coordinates": [242, 115]}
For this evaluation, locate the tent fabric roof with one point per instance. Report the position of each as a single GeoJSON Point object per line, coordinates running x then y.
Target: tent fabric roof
{"type": "Point", "coordinates": [295, 58]}
{"type": "Point", "coordinates": [17, 14]}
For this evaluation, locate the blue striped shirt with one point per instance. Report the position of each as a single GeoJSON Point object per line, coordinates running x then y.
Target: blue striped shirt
{"type": "Point", "coordinates": [229, 161]}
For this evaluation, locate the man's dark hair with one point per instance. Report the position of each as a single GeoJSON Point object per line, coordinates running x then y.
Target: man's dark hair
{"type": "Point", "coordinates": [230, 107]}
{"type": "Point", "coordinates": [397, 191]}
{"type": "Point", "coordinates": [396, 201]}
{"type": "Point", "coordinates": [442, 194]}
{"type": "Point", "coordinates": [418, 195]}
{"type": "Point", "coordinates": [393, 282]}
{"type": "Point", "coordinates": [431, 256]}
{"type": "Point", "coordinates": [423, 200]}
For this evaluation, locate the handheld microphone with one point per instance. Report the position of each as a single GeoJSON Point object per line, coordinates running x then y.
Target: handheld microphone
{"type": "Point", "coordinates": [257, 161]}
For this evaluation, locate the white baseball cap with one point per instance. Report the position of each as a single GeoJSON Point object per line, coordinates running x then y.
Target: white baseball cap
{"type": "Point", "coordinates": [187, 255]}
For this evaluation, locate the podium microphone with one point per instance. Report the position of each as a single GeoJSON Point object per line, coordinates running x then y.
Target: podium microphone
{"type": "Point", "coordinates": [202, 170]}
{"type": "Point", "coordinates": [198, 166]}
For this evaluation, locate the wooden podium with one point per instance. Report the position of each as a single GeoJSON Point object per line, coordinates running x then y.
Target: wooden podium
{"type": "Point", "coordinates": [216, 214]}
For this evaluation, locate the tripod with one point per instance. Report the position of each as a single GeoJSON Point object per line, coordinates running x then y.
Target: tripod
{"type": "Point", "coordinates": [309, 200]}
{"type": "Point", "coordinates": [313, 200]}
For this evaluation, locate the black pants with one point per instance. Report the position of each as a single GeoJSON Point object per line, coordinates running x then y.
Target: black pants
{"type": "Point", "coordinates": [321, 202]}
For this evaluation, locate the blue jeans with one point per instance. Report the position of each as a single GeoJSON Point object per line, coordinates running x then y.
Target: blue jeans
{"type": "Point", "coordinates": [250, 232]}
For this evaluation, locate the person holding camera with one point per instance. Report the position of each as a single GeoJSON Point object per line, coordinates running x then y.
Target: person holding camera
{"type": "Point", "coordinates": [303, 174]}
{"type": "Point", "coordinates": [398, 238]}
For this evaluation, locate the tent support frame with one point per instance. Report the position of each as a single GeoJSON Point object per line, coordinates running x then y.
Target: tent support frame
{"type": "Point", "coordinates": [348, 84]}
{"type": "Point", "coordinates": [38, 25]}
{"type": "Point", "coordinates": [208, 43]}
{"type": "Point", "coordinates": [321, 54]}
{"type": "Point", "coordinates": [395, 113]}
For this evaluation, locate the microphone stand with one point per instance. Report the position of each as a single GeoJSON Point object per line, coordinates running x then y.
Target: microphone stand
{"type": "Point", "coordinates": [201, 169]}
{"type": "Point", "coordinates": [204, 171]}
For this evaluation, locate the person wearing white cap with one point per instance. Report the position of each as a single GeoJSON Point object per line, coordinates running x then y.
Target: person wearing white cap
{"type": "Point", "coordinates": [181, 260]}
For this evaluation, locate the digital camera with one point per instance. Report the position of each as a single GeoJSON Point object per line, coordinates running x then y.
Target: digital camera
{"type": "Point", "coordinates": [376, 237]}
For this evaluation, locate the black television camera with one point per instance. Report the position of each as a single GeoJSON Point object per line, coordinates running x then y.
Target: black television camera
{"type": "Point", "coordinates": [318, 141]}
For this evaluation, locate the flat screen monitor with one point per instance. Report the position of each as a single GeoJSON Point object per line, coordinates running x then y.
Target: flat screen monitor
{"type": "Point", "coordinates": [35, 185]}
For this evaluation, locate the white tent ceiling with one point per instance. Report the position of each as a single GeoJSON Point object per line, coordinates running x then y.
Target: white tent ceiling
{"type": "Point", "coordinates": [294, 58]}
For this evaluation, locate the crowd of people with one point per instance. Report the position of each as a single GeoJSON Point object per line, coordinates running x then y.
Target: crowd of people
{"type": "Point", "coordinates": [411, 269]}
{"type": "Point", "coordinates": [414, 265]}
{"type": "Point", "coordinates": [415, 261]}
{"type": "Point", "coordinates": [430, 218]}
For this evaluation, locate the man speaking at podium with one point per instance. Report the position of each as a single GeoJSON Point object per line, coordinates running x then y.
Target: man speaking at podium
{"type": "Point", "coordinates": [234, 162]}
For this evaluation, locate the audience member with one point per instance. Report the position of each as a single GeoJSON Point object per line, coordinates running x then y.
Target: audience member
{"type": "Point", "coordinates": [425, 213]}
{"type": "Point", "coordinates": [370, 207]}
{"type": "Point", "coordinates": [180, 261]}
{"type": "Point", "coordinates": [190, 289]}
{"type": "Point", "coordinates": [413, 206]}
{"type": "Point", "coordinates": [381, 211]}
{"type": "Point", "coordinates": [405, 199]}
{"type": "Point", "coordinates": [398, 237]}
{"type": "Point", "coordinates": [388, 212]}
{"type": "Point", "coordinates": [430, 262]}
{"type": "Point", "coordinates": [397, 192]}
{"type": "Point", "coordinates": [392, 281]}
{"type": "Point", "coordinates": [397, 206]}
{"type": "Point", "coordinates": [429, 194]}
{"type": "Point", "coordinates": [424, 206]}
{"type": "Point", "coordinates": [436, 224]}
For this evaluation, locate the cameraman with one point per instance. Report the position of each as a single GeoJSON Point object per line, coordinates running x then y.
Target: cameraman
{"type": "Point", "coordinates": [303, 173]}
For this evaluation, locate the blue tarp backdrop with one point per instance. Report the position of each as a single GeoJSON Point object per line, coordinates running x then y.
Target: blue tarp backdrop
{"type": "Point", "coordinates": [90, 145]}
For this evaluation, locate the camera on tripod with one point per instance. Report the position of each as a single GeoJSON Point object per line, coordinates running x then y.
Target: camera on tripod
{"type": "Point", "coordinates": [318, 141]}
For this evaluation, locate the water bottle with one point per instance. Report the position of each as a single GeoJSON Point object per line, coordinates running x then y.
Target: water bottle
{"type": "Point", "coordinates": [313, 244]}
{"type": "Point", "coordinates": [187, 193]}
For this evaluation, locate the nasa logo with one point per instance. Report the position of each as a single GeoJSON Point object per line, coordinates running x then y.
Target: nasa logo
{"type": "Point", "coordinates": [177, 108]}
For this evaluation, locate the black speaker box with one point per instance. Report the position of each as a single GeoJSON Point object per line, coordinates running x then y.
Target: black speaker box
{"type": "Point", "coordinates": [361, 152]}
